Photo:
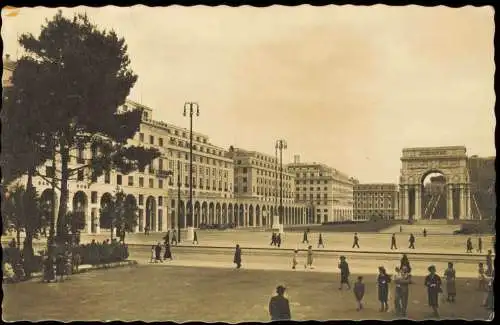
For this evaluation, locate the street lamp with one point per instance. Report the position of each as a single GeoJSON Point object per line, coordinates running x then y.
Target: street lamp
{"type": "Point", "coordinates": [190, 108]}
{"type": "Point", "coordinates": [281, 145]}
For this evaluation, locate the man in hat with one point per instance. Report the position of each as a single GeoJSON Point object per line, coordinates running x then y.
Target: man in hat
{"type": "Point", "coordinates": [356, 240]}
{"type": "Point", "coordinates": [433, 284]}
{"type": "Point", "coordinates": [304, 238]}
{"type": "Point", "coordinates": [344, 273]}
{"type": "Point", "coordinates": [279, 307]}
{"type": "Point", "coordinates": [412, 241]}
{"type": "Point", "coordinates": [393, 242]}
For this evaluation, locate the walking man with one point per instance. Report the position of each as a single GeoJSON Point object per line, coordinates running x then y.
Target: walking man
{"type": "Point", "coordinates": [237, 257]}
{"type": "Point", "coordinates": [158, 253]}
{"type": "Point", "coordinates": [489, 263]}
{"type": "Point", "coordinates": [393, 242]}
{"type": "Point", "coordinates": [304, 239]}
{"type": "Point", "coordinates": [279, 307]}
{"type": "Point", "coordinates": [480, 245]}
{"type": "Point", "coordinates": [273, 239]}
{"type": "Point", "coordinates": [195, 238]}
{"type": "Point", "coordinates": [356, 240]}
{"type": "Point", "coordinates": [309, 261]}
{"type": "Point", "coordinates": [344, 273]}
{"type": "Point", "coordinates": [412, 241]}
{"type": "Point", "coordinates": [167, 237]}
{"type": "Point", "coordinates": [433, 284]}
{"type": "Point", "coordinates": [278, 240]}
{"type": "Point", "coordinates": [469, 245]}
{"type": "Point", "coordinates": [320, 241]}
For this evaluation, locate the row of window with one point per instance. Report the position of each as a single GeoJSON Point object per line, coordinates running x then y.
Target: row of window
{"type": "Point", "coordinates": [93, 199]}
{"type": "Point", "coordinates": [201, 159]}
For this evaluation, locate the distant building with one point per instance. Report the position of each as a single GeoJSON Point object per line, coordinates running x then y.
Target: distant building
{"type": "Point", "coordinates": [375, 200]}
{"type": "Point", "coordinates": [482, 178]}
{"type": "Point", "coordinates": [327, 192]}
{"type": "Point", "coordinates": [257, 185]}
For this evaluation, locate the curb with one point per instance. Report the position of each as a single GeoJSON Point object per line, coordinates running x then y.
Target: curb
{"type": "Point", "coordinates": [325, 251]}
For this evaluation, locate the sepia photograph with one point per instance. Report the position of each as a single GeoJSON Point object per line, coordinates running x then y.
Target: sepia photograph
{"type": "Point", "coordinates": [246, 164]}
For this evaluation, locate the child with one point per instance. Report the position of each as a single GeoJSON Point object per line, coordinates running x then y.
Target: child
{"type": "Point", "coordinates": [294, 262]}
{"type": "Point", "coordinates": [344, 273]}
{"type": "Point", "coordinates": [482, 277]}
{"type": "Point", "coordinates": [359, 292]}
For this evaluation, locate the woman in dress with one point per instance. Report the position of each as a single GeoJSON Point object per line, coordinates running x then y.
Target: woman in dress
{"type": "Point", "coordinates": [450, 275]}
{"type": "Point", "coordinates": [433, 284]}
{"type": "Point", "coordinates": [383, 281]}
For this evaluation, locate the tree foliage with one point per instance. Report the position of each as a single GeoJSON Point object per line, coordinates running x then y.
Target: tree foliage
{"type": "Point", "coordinates": [71, 82]}
{"type": "Point", "coordinates": [120, 213]}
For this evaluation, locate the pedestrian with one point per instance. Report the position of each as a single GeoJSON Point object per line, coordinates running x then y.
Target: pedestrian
{"type": "Point", "coordinates": [320, 241]}
{"type": "Point", "coordinates": [393, 242]}
{"type": "Point", "coordinates": [489, 263]}
{"type": "Point", "coordinates": [294, 261]}
{"type": "Point", "coordinates": [174, 237]}
{"type": "Point", "coordinates": [77, 260]}
{"type": "Point", "coordinates": [279, 307]}
{"type": "Point", "coordinates": [400, 228]}
{"type": "Point", "coordinates": [195, 238]}
{"type": "Point", "coordinates": [168, 252]}
{"type": "Point", "coordinates": [425, 232]}
{"type": "Point", "coordinates": [481, 277]}
{"type": "Point", "coordinates": [146, 230]}
{"type": "Point", "coordinates": [309, 261]}
{"type": "Point", "coordinates": [397, 291]}
{"type": "Point", "coordinates": [433, 284]}
{"type": "Point", "coordinates": [152, 259]}
{"type": "Point", "coordinates": [167, 237]}
{"type": "Point", "coordinates": [304, 239]}
{"type": "Point", "coordinates": [273, 239]}
{"type": "Point", "coordinates": [480, 245]}
{"type": "Point", "coordinates": [450, 276]}
{"type": "Point", "coordinates": [237, 257]}
{"type": "Point", "coordinates": [344, 273]}
{"type": "Point", "coordinates": [60, 266]}
{"type": "Point", "coordinates": [356, 240]}
{"type": "Point", "coordinates": [359, 292]}
{"type": "Point", "coordinates": [403, 290]}
{"type": "Point", "coordinates": [412, 241]}
{"type": "Point", "coordinates": [469, 245]}
{"type": "Point", "coordinates": [488, 301]}
{"type": "Point", "coordinates": [383, 281]}
{"type": "Point", "coordinates": [158, 253]}
{"type": "Point", "coordinates": [405, 262]}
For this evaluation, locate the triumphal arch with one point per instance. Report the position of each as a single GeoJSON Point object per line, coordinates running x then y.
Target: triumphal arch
{"type": "Point", "coordinates": [451, 163]}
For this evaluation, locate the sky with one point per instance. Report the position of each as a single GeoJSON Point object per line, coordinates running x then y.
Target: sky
{"type": "Point", "coordinates": [343, 85]}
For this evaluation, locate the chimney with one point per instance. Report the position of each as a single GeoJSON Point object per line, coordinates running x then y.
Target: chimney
{"type": "Point", "coordinates": [296, 159]}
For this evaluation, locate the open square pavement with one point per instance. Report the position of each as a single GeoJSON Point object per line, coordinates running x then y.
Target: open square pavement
{"type": "Point", "coordinates": [175, 293]}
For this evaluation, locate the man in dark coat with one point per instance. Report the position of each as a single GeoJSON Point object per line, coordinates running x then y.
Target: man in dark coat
{"type": "Point", "coordinates": [356, 240]}
{"type": "Point", "coordinates": [344, 273]}
{"type": "Point", "coordinates": [433, 284]}
{"type": "Point", "coordinates": [412, 241]}
{"type": "Point", "coordinates": [320, 241]}
{"type": "Point", "coordinates": [383, 281]}
{"type": "Point", "coordinates": [480, 244]}
{"type": "Point", "coordinates": [489, 263]}
{"type": "Point", "coordinates": [304, 239]}
{"type": "Point", "coordinates": [279, 307]}
{"type": "Point", "coordinates": [168, 252]}
{"type": "Point", "coordinates": [237, 257]}
{"type": "Point", "coordinates": [469, 245]}
{"type": "Point", "coordinates": [195, 238]}
{"type": "Point", "coordinates": [393, 242]}
{"type": "Point", "coordinates": [167, 237]}
{"type": "Point", "coordinates": [273, 239]}
{"type": "Point", "coordinates": [158, 253]}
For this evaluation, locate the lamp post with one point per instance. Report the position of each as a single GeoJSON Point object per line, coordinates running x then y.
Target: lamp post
{"type": "Point", "coordinates": [281, 145]}
{"type": "Point", "coordinates": [179, 200]}
{"type": "Point", "coordinates": [191, 108]}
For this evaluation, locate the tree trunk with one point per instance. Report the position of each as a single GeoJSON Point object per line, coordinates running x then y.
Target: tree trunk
{"type": "Point", "coordinates": [29, 210]}
{"type": "Point", "coordinates": [63, 202]}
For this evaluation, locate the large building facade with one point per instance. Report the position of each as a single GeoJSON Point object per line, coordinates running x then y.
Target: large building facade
{"type": "Point", "coordinates": [327, 192]}
{"type": "Point", "coordinates": [375, 200]}
{"type": "Point", "coordinates": [259, 183]}
{"type": "Point", "coordinates": [482, 178]}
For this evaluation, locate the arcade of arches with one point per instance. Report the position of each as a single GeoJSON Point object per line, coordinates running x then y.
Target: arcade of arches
{"type": "Point", "coordinates": [153, 212]}
{"type": "Point", "coordinates": [447, 196]}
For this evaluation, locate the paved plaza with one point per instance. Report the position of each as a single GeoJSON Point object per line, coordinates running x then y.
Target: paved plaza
{"type": "Point", "coordinates": [370, 242]}
{"type": "Point", "coordinates": [156, 293]}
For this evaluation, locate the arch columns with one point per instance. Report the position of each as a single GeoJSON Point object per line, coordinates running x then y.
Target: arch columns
{"type": "Point", "coordinates": [449, 202]}
{"type": "Point", "coordinates": [418, 203]}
